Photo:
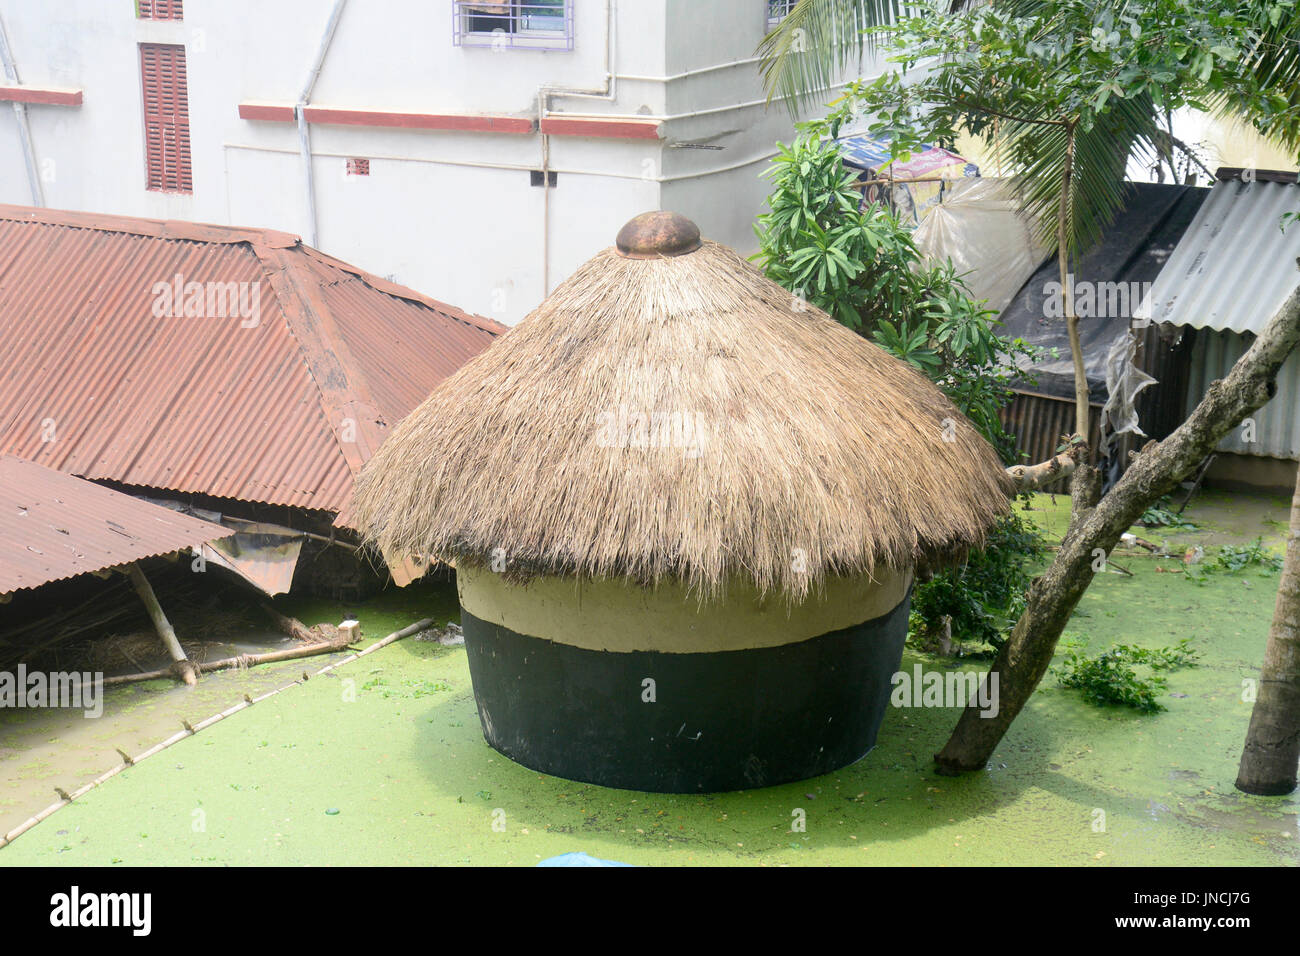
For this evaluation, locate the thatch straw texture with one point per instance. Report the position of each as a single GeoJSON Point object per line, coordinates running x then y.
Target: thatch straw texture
{"type": "Point", "coordinates": [682, 417]}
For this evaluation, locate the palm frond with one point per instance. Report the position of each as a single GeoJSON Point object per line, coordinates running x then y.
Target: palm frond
{"type": "Point", "coordinates": [816, 40]}
{"type": "Point", "coordinates": [1097, 187]}
{"type": "Point", "coordinates": [1275, 64]}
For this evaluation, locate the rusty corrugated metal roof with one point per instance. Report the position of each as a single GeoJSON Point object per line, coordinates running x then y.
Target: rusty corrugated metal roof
{"type": "Point", "coordinates": [282, 406]}
{"type": "Point", "coordinates": [55, 526]}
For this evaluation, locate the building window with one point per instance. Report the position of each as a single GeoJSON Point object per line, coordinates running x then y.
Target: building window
{"type": "Point", "coordinates": [778, 10]}
{"type": "Point", "coordinates": [159, 9]}
{"type": "Point", "coordinates": [520, 25]}
{"type": "Point", "coordinates": [166, 118]}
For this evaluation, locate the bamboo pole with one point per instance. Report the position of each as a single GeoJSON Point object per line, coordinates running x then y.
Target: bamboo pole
{"type": "Point", "coordinates": [862, 183]}
{"type": "Point", "coordinates": [183, 666]}
{"type": "Point", "coordinates": [242, 660]}
{"type": "Point", "coordinates": [192, 729]}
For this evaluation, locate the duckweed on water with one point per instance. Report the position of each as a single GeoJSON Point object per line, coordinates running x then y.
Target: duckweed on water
{"type": "Point", "coordinates": [409, 769]}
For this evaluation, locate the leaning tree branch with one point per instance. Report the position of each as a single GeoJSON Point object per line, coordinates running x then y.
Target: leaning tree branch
{"type": "Point", "coordinates": [1027, 654]}
{"type": "Point", "coordinates": [1036, 477]}
{"type": "Point", "coordinates": [1171, 142]}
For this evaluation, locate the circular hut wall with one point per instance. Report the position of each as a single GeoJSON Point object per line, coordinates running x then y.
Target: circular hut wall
{"type": "Point", "coordinates": [644, 689]}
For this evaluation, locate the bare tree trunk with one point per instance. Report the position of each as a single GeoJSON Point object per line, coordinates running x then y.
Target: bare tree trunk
{"type": "Point", "coordinates": [1085, 485]}
{"type": "Point", "coordinates": [1093, 532]}
{"type": "Point", "coordinates": [1272, 754]}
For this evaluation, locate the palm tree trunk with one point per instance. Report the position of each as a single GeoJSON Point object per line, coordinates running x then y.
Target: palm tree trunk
{"type": "Point", "coordinates": [1067, 291]}
{"type": "Point", "coordinates": [1085, 486]}
{"type": "Point", "coordinates": [1027, 654]}
{"type": "Point", "coordinates": [1272, 753]}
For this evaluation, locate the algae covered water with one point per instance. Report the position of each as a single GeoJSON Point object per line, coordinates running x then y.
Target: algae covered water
{"type": "Point", "coordinates": [383, 762]}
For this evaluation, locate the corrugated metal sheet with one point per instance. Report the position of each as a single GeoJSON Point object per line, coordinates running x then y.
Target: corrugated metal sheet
{"type": "Point", "coordinates": [93, 383]}
{"type": "Point", "coordinates": [1128, 258]}
{"type": "Point", "coordinates": [1234, 266]}
{"type": "Point", "coordinates": [1163, 353]}
{"type": "Point", "coordinates": [1277, 424]}
{"type": "Point", "coordinates": [1039, 422]}
{"type": "Point", "coordinates": [54, 526]}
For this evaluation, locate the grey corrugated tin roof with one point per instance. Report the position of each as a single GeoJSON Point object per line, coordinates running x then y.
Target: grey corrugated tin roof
{"type": "Point", "coordinates": [1275, 432]}
{"type": "Point", "coordinates": [1234, 266]}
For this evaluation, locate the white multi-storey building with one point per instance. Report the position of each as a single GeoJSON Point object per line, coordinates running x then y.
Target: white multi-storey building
{"type": "Point", "coordinates": [476, 151]}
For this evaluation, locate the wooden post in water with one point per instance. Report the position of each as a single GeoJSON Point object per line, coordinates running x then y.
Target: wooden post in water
{"type": "Point", "coordinates": [183, 667]}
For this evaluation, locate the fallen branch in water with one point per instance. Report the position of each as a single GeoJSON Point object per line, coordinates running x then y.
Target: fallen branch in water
{"type": "Point", "coordinates": [290, 625]}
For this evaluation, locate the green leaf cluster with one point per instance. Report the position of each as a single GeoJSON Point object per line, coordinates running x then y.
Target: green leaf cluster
{"type": "Point", "coordinates": [985, 595]}
{"type": "Point", "coordinates": [1233, 558]}
{"type": "Point", "coordinates": [1113, 678]}
{"type": "Point", "coordinates": [862, 266]}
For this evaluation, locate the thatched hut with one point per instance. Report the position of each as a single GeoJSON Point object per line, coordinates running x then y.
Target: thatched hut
{"type": "Point", "coordinates": [685, 511]}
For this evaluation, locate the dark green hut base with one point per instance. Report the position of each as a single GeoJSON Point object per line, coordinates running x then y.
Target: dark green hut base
{"type": "Point", "coordinates": [730, 720]}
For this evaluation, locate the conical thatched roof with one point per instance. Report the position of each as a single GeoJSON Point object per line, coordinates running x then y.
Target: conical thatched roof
{"type": "Point", "coordinates": [681, 415]}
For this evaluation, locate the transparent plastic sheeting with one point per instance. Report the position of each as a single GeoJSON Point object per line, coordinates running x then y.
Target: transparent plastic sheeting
{"type": "Point", "coordinates": [1124, 380]}
{"type": "Point", "coordinates": [979, 227]}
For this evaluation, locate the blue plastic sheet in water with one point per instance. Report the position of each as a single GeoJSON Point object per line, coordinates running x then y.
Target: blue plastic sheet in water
{"type": "Point", "coordinates": [579, 859]}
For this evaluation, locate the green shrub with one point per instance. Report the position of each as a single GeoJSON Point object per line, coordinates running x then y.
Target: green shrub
{"type": "Point", "coordinates": [1232, 558]}
{"type": "Point", "coordinates": [987, 594]}
{"type": "Point", "coordinates": [1112, 678]}
{"type": "Point", "coordinates": [1159, 516]}
{"type": "Point", "coordinates": [862, 267]}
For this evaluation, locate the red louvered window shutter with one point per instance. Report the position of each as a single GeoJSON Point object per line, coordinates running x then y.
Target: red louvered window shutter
{"type": "Point", "coordinates": [166, 118]}
{"type": "Point", "coordinates": [158, 9]}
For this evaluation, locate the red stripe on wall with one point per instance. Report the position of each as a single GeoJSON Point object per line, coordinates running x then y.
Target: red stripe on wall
{"type": "Point", "coordinates": [478, 123]}
{"type": "Point", "coordinates": [601, 128]}
{"type": "Point", "coordinates": [266, 111]}
{"type": "Point", "coordinates": [469, 122]}
{"type": "Point", "coordinates": [481, 123]}
{"type": "Point", "coordinates": [36, 94]}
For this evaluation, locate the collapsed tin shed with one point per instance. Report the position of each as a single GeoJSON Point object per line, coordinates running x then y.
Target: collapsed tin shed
{"type": "Point", "coordinates": [237, 370]}
{"type": "Point", "coordinates": [1136, 372]}
{"type": "Point", "coordinates": [685, 509]}
{"type": "Point", "coordinates": [54, 527]}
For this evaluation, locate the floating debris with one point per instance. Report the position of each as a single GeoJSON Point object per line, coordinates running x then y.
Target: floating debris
{"type": "Point", "coordinates": [449, 636]}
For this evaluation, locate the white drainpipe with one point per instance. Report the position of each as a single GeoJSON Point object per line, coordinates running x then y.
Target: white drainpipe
{"type": "Point", "coordinates": [304, 135]}
{"type": "Point", "coordinates": [24, 129]}
{"type": "Point", "coordinates": [544, 94]}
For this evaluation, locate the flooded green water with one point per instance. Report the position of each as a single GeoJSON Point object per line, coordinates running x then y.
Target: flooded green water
{"type": "Point", "coordinates": [383, 762]}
